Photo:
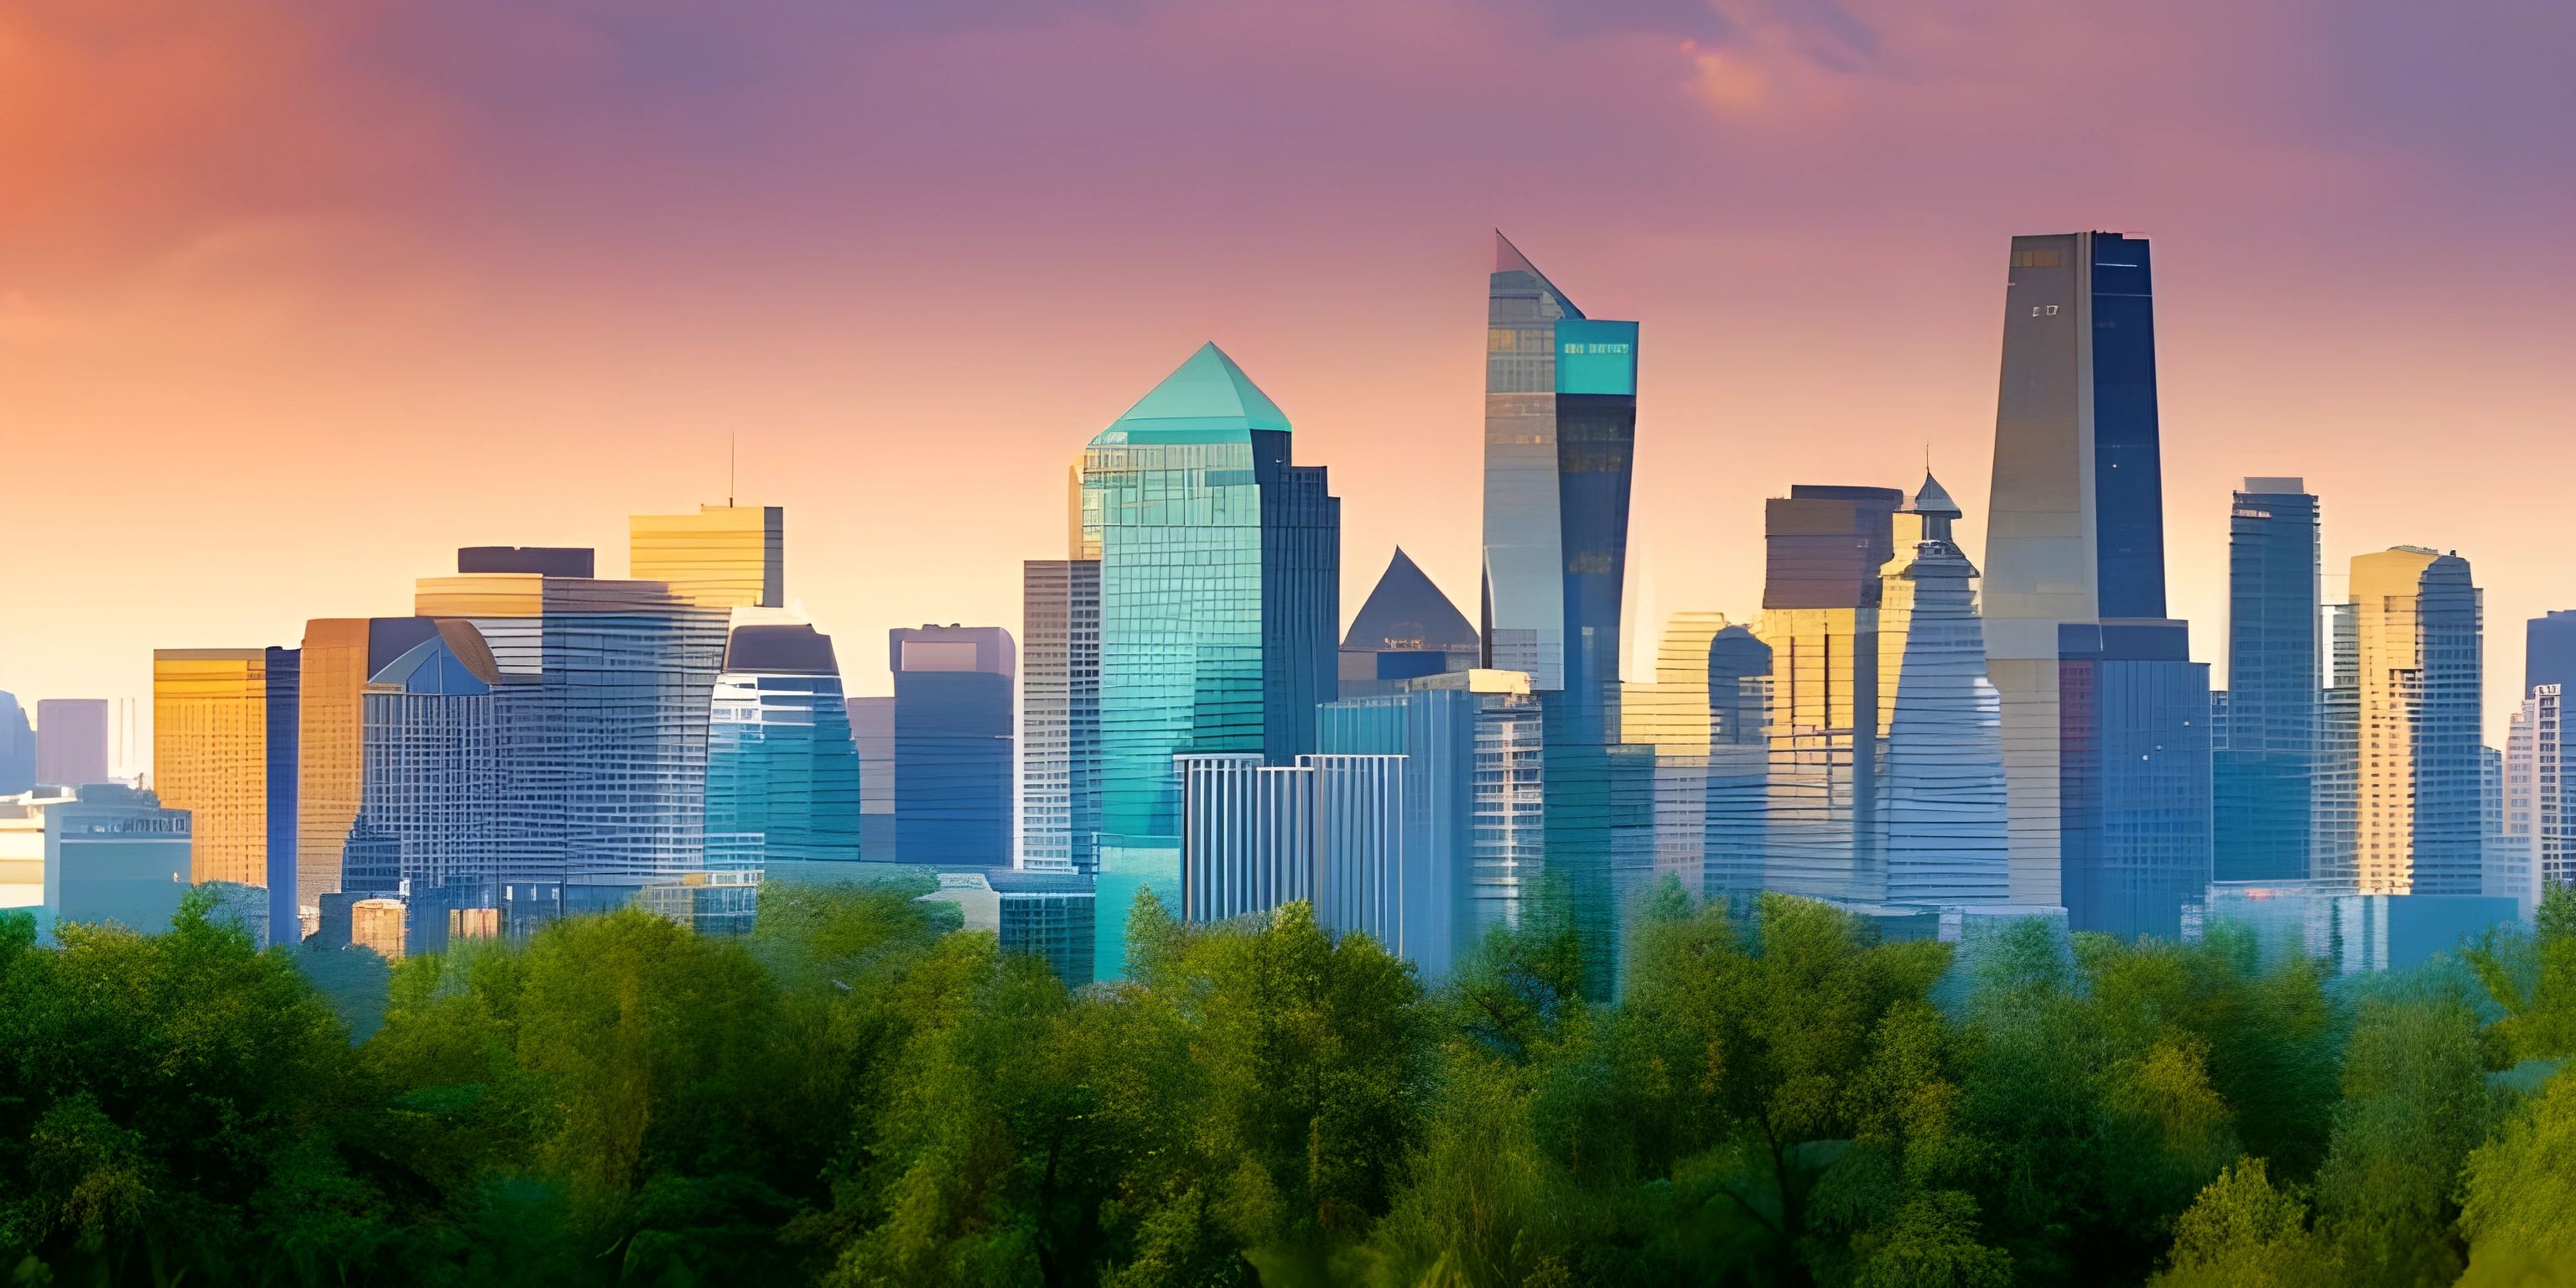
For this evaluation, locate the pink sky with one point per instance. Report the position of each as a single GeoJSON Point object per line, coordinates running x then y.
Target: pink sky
{"type": "Point", "coordinates": [294, 299]}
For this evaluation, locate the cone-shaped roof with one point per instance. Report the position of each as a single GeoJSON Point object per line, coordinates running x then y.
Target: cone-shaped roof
{"type": "Point", "coordinates": [1408, 611]}
{"type": "Point", "coordinates": [1510, 264]}
{"type": "Point", "coordinates": [1933, 499]}
{"type": "Point", "coordinates": [1206, 393]}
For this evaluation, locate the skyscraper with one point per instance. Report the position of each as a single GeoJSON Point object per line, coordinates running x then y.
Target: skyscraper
{"type": "Point", "coordinates": [2336, 813]}
{"type": "Point", "coordinates": [2549, 651]}
{"type": "Point", "coordinates": [2077, 531]}
{"type": "Point", "coordinates": [1219, 596]}
{"type": "Point", "coordinates": [2133, 776]}
{"type": "Point", "coordinates": [71, 741]}
{"type": "Point", "coordinates": [724, 556]}
{"type": "Point", "coordinates": [437, 783]}
{"type": "Point", "coordinates": [1405, 629]}
{"type": "Point", "coordinates": [1560, 440]}
{"type": "Point", "coordinates": [782, 766]}
{"type": "Point", "coordinates": [1060, 715]}
{"type": "Point", "coordinates": [2539, 800]}
{"type": "Point", "coordinates": [2416, 621]}
{"type": "Point", "coordinates": [1329, 829]}
{"type": "Point", "coordinates": [1939, 724]}
{"type": "Point", "coordinates": [210, 755]}
{"type": "Point", "coordinates": [952, 744]}
{"type": "Point", "coordinates": [283, 702]}
{"type": "Point", "coordinates": [2265, 774]}
{"type": "Point", "coordinates": [1820, 601]}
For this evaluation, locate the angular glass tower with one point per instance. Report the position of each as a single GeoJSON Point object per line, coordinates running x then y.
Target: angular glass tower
{"type": "Point", "coordinates": [782, 768]}
{"type": "Point", "coordinates": [2077, 532]}
{"type": "Point", "coordinates": [1560, 439]}
{"type": "Point", "coordinates": [1220, 566]}
{"type": "Point", "coordinates": [2266, 773]}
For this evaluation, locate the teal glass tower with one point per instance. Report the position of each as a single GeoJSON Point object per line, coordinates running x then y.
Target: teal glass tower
{"type": "Point", "coordinates": [782, 768]}
{"type": "Point", "coordinates": [1560, 440]}
{"type": "Point", "coordinates": [1220, 570]}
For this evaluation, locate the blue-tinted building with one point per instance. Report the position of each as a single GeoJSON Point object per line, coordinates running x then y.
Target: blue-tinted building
{"type": "Point", "coordinates": [2077, 529]}
{"type": "Point", "coordinates": [1329, 830]}
{"type": "Point", "coordinates": [1560, 438]}
{"type": "Point", "coordinates": [431, 818]}
{"type": "Point", "coordinates": [2549, 651]}
{"type": "Point", "coordinates": [953, 734]}
{"type": "Point", "coordinates": [1220, 567]}
{"type": "Point", "coordinates": [2134, 776]}
{"type": "Point", "coordinates": [782, 766]}
{"type": "Point", "coordinates": [285, 678]}
{"type": "Point", "coordinates": [1436, 732]}
{"type": "Point", "coordinates": [112, 855]}
{"type": "Point", "coordinates": [2266, 769]}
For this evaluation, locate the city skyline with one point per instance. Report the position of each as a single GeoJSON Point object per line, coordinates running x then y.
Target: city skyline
{"type": "Point", "coordinates": [455, 281]}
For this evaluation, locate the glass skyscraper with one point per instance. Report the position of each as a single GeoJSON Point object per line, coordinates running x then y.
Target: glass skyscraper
{"type": "Point", "coordinates": [782, 767]}
{"type": "Point", "coordinates": [284, 698]}
{"type": "Point", "coordinates": [1329, 829]}
{"type": "Point", "coordinates": [2419, 795]}
{"type": "Point", "coordinates": [2133, 776]}
{"type": "Point", "coordinates": [1219, 601]}
{"type": "Point", "coordinates": [2077, 531]}
{"type": "Point", "coordinates": [431, 827]}
{"type": "Point", "coordinates": [1060, 715]}
{"type": "Point", "coordinates": [1560, 440]}
{"type": "Point", "coordinates": [952, 744]}
{"type": "Point", "coordinates": [2266, 772]}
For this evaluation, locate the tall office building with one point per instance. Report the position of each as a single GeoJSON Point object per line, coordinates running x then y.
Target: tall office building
{"type": "Point", "coordinates": [724, 556]}
{"type": "Point", "coordinates": [2417, 627]}
{"type": "Point", "coordinates": [2539, 801]}
{"type": "Point", "coordinates": [1820, 604]}
{"type": "Point", "coordinates": [2266, 770]}
{"type": "Point", "coordinates": [340, 654]}
{"type": "Point", "coordinates": [1060, 715]}
{"type": "Point", "coordinates": [782, 766]}
{"type": "Point", "coordinates": [1672, 715]}
{"type": "Point", "coordinates": [17, 746]}
{"type": "Point", "coordinates": [1219, 596]}
{"type": "Point", "coordinates": [2134, 778]}
{"type": "Point", "coordinates": [2549, 651]}
{"type": "Point", "coordinates": [210, 721]}
{"type": "Point", "coordinates": [283, 703]}
{"type": "Point", "coordinates": [1941, 814]}
{"type": "Point", "coordinates": [1560, 441]}
{"type": "Point", "coordinates": [2336, 822]}
{"type": "Point", "coordinates": [71, 741]}
{"type": "Point", "coordinates": [952, 744]}
{"type": "Point", "coordinates": [1739, 762]}
{"type": "Point", "coordinates": [1406, 629]}
{"type": "Point", "coordinates": [2503, 869]}
{"type": "Point", "coordinates": [2077, 531]}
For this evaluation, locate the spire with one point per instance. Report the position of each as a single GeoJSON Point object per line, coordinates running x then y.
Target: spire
{"type": "Point", "coordinates": [1933, 500]}
{"type": "Point", "coordinates": [1510, 264]}
{"type": "Point", "coordinates": [1206, 392]}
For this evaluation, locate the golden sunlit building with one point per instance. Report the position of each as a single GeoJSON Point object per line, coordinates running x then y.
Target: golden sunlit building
{"type": "Point", "coordinates": [210, 755]}
{"type": "Point", "coordinates": [724, 556]}
{"type": "Point", "coordinates": [2419, 791]}
{"type": "Point", "coordinates": [378, 924]}
{"type": "Point", "coordinates": [340, 654]}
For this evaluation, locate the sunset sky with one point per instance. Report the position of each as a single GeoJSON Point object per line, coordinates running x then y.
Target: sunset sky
{"type": "Point", "coordinates": [297, 297]}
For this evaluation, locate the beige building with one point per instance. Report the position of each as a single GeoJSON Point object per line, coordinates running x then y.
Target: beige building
{"type": "Point", "coordinates": [2419, 793]}
{"type": "Point", "coordinates": [378, 924]}
{"type": "Point", "coordinates": [724, 556]}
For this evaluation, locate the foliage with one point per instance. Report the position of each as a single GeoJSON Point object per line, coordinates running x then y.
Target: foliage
{"type": "Point", "coordinates": [860, 1092]}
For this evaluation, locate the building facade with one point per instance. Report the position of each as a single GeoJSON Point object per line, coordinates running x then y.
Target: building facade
{"type": "Point", "coordinates": [1219, 598]}
{"type": "Point", "coordinates": [1060, 715]}
{"type": "Point", "coordinates": [2134, 778]}
{"type": "Point", "coordinates": [782, 764]}
{"type": "Point", "coordinates": [953, 744]}
{"type": "Point", "coordinates": [2266, 771]}
{"type": "Point", "coordinates": [2416, 621]}
{"type": "Point", "coordinates": [724, 556]}
{"type": "Point", "coordinates": [1329, 830]}
{"type": "Point", "coordinates": [1941, 813]}
{"type": "Point", "coordinates": [210, 755]}
{"type": "Point", "coordinates": [339, 656]}
{"type": "Point", "coordinates": [1405, 630]}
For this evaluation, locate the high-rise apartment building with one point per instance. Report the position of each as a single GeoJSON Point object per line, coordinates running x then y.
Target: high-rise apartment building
{"type": "Point", "coordinates": [2539, 801]}
{"type": "Point", "coordinates": [1941, 813]}
{"type": "Point", "coordinates": [782, 765]}
{"type": "Point", "coordinates": [1329, 829]}
{"type": "Point", "coordinates": [1560, 442]}
{"type": "Point", "coordinates": [1406, 629]}
{"type": "Point", "coordinates": [1820, 601]}
{"type": "Point", "coordinates": [210, 724]}
{"type": "Point", "coordinates": [2266, 771]}
{"type": "Point", "coordinates": [2417, 628]}
{"type": "Point", "coordinates": [2077, 530]}
{"type": "Point", "coordinates": [1060, 715]}
{"type": "Point", "coordinates": [1219, 598]}
{"type": "Point", "coordinates": [71, 741]}
{"type": "Point", "coordinates": [724, 556]}
{"type": "Point", "coordinates": [952, 744]}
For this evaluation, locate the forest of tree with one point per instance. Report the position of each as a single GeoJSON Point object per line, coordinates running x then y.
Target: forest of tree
{"type": "Point", "coordinates": [860, 1093]}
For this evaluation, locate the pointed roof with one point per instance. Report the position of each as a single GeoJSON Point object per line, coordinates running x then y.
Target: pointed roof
{"type": "Point", "coordinates": [1510, 263]}
{"type": "Point", "coordinates": [1407, 611]}
{"type": "Point", "coordinates": [1933, 499]}
{"type": "Point", "coordinates": [1206, 394]}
